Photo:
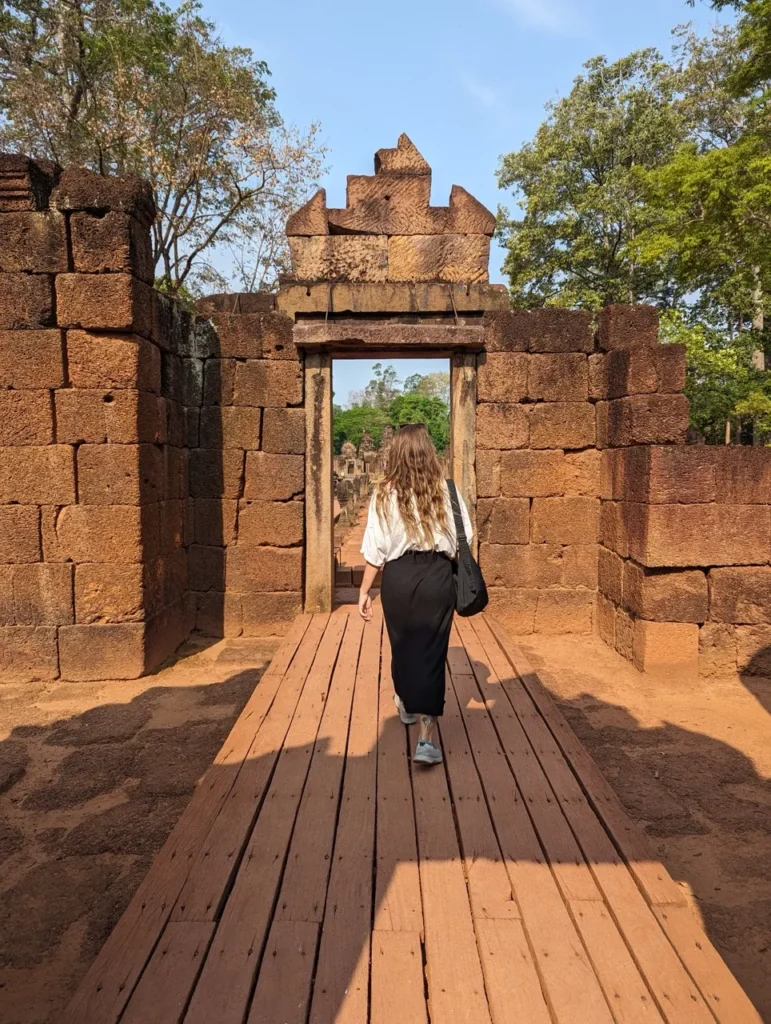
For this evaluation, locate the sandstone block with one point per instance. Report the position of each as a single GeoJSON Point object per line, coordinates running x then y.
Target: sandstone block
{"type": "Point", "coordinates": [240, 302]}
{"type": "Point", "coordinates": [215, 521]}
{"type": "Point", "coordinates": [350, 257]}
{"type": "Point", "coordinates": [37, 594]}
{"type": "Point", "coordinates": [25, 184]}
{"type": "Point", "coordinates": [502, 426]}
{"type": "Point", "coordinates": [505, 331]}
{"type": "Point", "coordinates": [216, 474]}
{"type": "Point", "coordinates": [564, 611]}
{"type": "Point", "coordinates": [206, 567]}
{"type": "Point", "coordinates": [671, 475]}
{"type": "Point", "coordinates": [239, 334]}
{"type": "Point", "coordinates": [411, 191]}
{"type": "Point", "coordinates": [120, 474]}
{"type": "Point", "coordinates": [182, 379]}
{"type": "Point", "coordinates": [274, 477]}
{"type": "Point", "coordinates": [502, 377]}
{"type": "Point", "coordinates": [28, 653]}
{"type": "Point", "coordinates": [624, 634]}
{"type": "Point", "coordinates": [605, 620]}
{"type": "Point", "coordinates": [109, 593]}
{"type": "Point", "coordinates": [580, 566]}
{"type": "Point", "coordinates": [110, 302]}
{"type": "Point", "coordinates": [269, 614]}
{"type": "Point", "coordinates": [558, 377]}
{"type": "Point", "coordinates": [532, 473]}
{"type": "Point", "coordinates": [113, 361]}
{"type": "Point", "coordinates": [167, 630]}
{"type": "Point", "coordinates": [264, 570]}
{"type": "Point", "coordinates": [33, 242]}
{"type": "Point", "coordinates": [26, 417]}
{"type": "Point", "coordinates": [514, 608]}
{"type": "Point", "coordinates": [644, 419]}
{"type": "Point", "coordinates": [488, 470]}
{"type": "Point", "coordinates": [627, 326]}
{"type": "Point", "coordinates": [20, 533]}
{"type": "Point", "coordinates": [277, 340]}
{"type": "Point", "coordinates": [743, 475]}
{"type": "Point", "coordinates": [231, 427]}
{"type": "Point", "coordinates": [111, 242]}
{"type": "Point", "coordinates": [26, 300]}
{"type": "Point", "coordinates": [665, 596]}
{"type": "Point", "coordinates": [522, 565]}
{"type": "Point", "coordinates": [666, 647]}
{"type": "Point", "coordinates": [503, 520]}
{"type": "Point", "coordinates": [640, 370]}
{"type": "Point", "coordinates": [310, 219]}
{"type": "Point", "coordinates": [31, 359]}
{"type": "Point", "coordinates": [717, 650]}
{"type": "Point", "coordinates": [558, 330]}
{"type": "Point", "coordinates": [562, 425]}
{"type": "Point", "coordinates": [582, 472]}
{"type": "Point", "coordinates": [100, 533]}
{"type": "Point", "coordinates": [670, 368]}
{"type": "Point", "coordinates": [703, 535]}
{"type": "Point", "coordinates": [96, 651]}
{"type": "Point", "coordinates": [273, 523]}
{"type": "Point", "coordinates": [753, 650]}
{"type": "Point", "coordinates": [572, 520]}
{"type": "Point", "coordinates": [404, 158]}
{"type": "Point", "coordinates": [611, 576]}
{"type": "Point", "coordinates": [283, 431]}
{"type": "Point", "coordinates": [218, 381]}
{"type": "Point", "coordinates": [120, 417]}
{"type": "Point", "coordinates": [37, 475]}
{"type": "Point", "coordinates": [437, 257]}
{"type": "Point", "coordinates": [741, 594]}
{"type": "Point", "coordinates": [172, 524]}
{"type": "Point", "coordinates": [80, 189]}
{"type": "Point", "coordinates": [219, 614]}
{"type": "Point", "coordinates": [268, 382]}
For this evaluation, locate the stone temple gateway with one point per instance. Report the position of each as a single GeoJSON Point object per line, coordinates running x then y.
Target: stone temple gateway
{"type": "Point", "coordinates": [162, 472]}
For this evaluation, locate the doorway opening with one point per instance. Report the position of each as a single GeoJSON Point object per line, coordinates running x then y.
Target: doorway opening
{"type": "Point", "coordinates": [371, 399]}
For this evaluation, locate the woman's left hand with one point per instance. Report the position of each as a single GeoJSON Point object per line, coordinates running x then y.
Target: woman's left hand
{"type": "Point", "coordinates": [365, 605]}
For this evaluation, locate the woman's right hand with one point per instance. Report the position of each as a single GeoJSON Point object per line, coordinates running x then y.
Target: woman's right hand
{"type": "Point", "coordinates": [365, 605]}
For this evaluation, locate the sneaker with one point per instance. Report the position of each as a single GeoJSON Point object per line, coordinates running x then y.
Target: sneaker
{"type": "Point", "coordinates": [427, 753]}
{"type": "Point", "coordinates": [406, 718]}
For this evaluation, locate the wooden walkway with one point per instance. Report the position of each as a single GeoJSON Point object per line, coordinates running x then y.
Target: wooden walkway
{"type": "Point", "coordinates": [318, 876]}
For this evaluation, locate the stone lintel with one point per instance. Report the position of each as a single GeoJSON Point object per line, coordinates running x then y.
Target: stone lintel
{"type": "Point", "coordinates": [332, 336]}
{"type": "Point", "coordinates": [432, 297]}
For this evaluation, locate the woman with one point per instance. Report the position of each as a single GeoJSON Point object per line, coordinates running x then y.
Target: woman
{"type": "Point", "coordinates": [411, 535]}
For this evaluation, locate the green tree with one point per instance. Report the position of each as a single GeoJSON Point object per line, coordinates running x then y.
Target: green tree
{"type": "Point", "coordinates": [435, 385]}
{"type": "Point", "coordinates": [381, 390]}
{"type": "Point", "coordinates": [416, 408]}
{"type": "Point", "coordinates": [582, 200]}
{"type": "Point", "coordinates": [350, 425]}
{"type": "Point", "coordinates": [136, 87]}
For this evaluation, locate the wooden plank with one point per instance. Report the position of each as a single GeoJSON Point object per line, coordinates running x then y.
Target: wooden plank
{"type": "Point", "coordinates": [562, 850]}
{"type": "Point", "coordinates": [511, 979]}
{"type": "Point", "coordinates": [104, 991]}
{"type": "Point", "coordinates": [397, 881]}
{"type": "Point", "coordinates": [284, 989]}
{"type": "Point", "coordinates": [319, 521]}
{"type": "Point", "coordinates": [728, 1001]}
{"type": "Point", "coordinates": [397, 979]}
{"type": "Point", "coordinates": [651, 876]}
{"type": "Point", "coordinates": [218, 859]}
{"type": "Point", "coordinates": [168, 979]}
{"type": "Point", "coordinates": [225, 985]}
{"type": "Point", "coordinates": [341, 985]}
{"type": "Point", "coordinates": [463, 413]}
{"type": "Point", "coordinates": [567, 977]}
{"type": "Point", "coordinates": [624, 988]}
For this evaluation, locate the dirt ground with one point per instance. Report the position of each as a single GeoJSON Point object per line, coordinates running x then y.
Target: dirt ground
{"type": "Point", "coordinates": [93, 776]}
{"type": "Point", "coordinates": [692, 765]}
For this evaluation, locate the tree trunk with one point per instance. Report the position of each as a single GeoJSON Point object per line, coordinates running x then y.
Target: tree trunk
{"type": "Point", "coordinates": [727, 431]}
{"type": "Point", "coordinates": [758, 355]}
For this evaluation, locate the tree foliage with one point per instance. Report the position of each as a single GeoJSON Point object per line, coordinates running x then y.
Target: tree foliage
{"type": "Point", "coordinates": [136, 87]}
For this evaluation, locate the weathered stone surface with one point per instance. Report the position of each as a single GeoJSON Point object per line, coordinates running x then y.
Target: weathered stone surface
{"type": "Point", "coordinates": [216, 474]}
{"type": "Point", "coordinates": [206, 568]}
{"type": "Point", "coordinates": [113, 361]}
{"type": "Point", "coordinates": [26, 300]}
{"type": "Point", "coordinates": [502, 426]}
{"type": "Point", "coordinates": [119, 417]}
{"type": "Point", "coordinates": [611, 576]}
{"type": "Point", "coordinates": [562, 425]}
{"type": "Point", "coordinates": [111, 302]}
{"type": "Point", "coordinates": [404, 158]}
{"type": "Point", "coordinates": [703, 535]}
{"type": "Point", "coordinates": [558, 377]}
{"type": "Point", "coordinates": [310, 219]}
{"type": "Point", "coordinates": [120, 474]}
{"type": "Point", "coordinates": [532, 473]}
{"type": "Point", "coordinates": [717, 650]}
{"type": "Point", "coordinates": [283, 431]}
{"type": "Point", "coordinates": [643, 419]}
{"type": "Point", "coordinates": [268, 382]}
{"type": "Point", "coordinates": [182, 379]}
{"type": "Point", "coordinates": [20, 533]}
{"type": "Point", "coordinates": [231, 427]}
{"type": "Point", "coordinates": [98, 651]}
{"type": "Point", "coordinates": [404, 190]}
{"type": "Point", "coordinates": [275, 523]}
{"type": "Point", "coordinates": [351, 257]}
{"type": "Point", "coordinates": [394, 210]}
{"type": "Point", "coordinates": [100, 533]}
{"type": "Point", "coordinates": [572, 520]}
{"type": "Point", "coordinates": [277, 341]}
{"type": "Point", "coordinates": [215, 520]}
{"type": "Point", "coordinates": [338, 335]}
{"type": "Point", "coordinates": [616, 519]}
{"type": "Point", "coordinates": [488, 472]}
{"type": "Point", "coordinates": [28, 653]}
{"type": "Point", "coordinates": [665, 596]}
{"type": "Point", "coordinates": [274, 477]}
{"type": "Point", "coordinates": [539, 565]}
{"type": "Point", "coordinates": [36, 594]}
{"type": "Point", "coordinates": [582, 472]}
{"type": "Point", "coordinates": [26, 184]}
{"type": "Point", "coordinates": [545, 330]}
{"type": "Point", "coordinates": [506, 331]}
{"type": "Point", "coordinates": [26, 417]}
{"type": "Point", "coordinates": [741, 595]}
{"type": "Point", "coordinates": [264, 569]}
{"type": "Point", "coordinates": [644, 369]}
{"type": "Point", "coordinates": [672, 475]}
{"type": "Point", "coordinates": [666, 647]}
{"type": "Point", "coordinates": [627, 326]}
{"type": "Point", "coordinates": [239, 335]}
{"type": "Point", "coordinates": [390, 297]}
{"type": "Point", "coordinates": [753, 650]}
{"type": "Point", "coordinates": [564, 611]}
{"type": "Point", "coordinates": [33, 242]}
{"type": "Point", "coordinates": [743, 475]}
{"type": "Point", "coordinates": [31, 359]}
{"type": "Point", "coordinates": [79, 189]}
{"type": "Point", "coordinates": [605, 620]}
{"type": "Point", "coordinates": [219, 378]}
{"type": "Point", "coordinates": [112, 242]}
{"type": "Point", "coordinates": [502, 377]}
{"type": "Point", "coordinates": [37, 475]}
{"type": "Point", "coordinates": [438, 257]}
{"type": "Point", "coordinates": [236, 302]}
{"type": "Point", "coordinates": [514, 608]}
{"type": "Point", "coordinates": [624, 634]}
{"type": "Point", "coordinates": [219, 614]}
{"type": "Point", "coordinates": [269, 614]}
{"type": "Point", "coordinates": [503, 520]}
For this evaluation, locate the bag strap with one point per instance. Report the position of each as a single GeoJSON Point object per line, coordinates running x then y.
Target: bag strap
{"type": "Point", "coordinates": [460, 530]}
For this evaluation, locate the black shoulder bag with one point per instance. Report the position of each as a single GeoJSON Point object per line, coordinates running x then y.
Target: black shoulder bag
{"type": "Point", "coordinates": [471, 592]}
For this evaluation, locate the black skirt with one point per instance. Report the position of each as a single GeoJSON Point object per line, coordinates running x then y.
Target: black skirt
{"type": "Point", "coordinates": [418, 597]}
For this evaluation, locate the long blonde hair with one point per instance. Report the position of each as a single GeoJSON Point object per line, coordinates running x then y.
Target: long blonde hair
{"type": "Point", "coordinates": [414, 472]}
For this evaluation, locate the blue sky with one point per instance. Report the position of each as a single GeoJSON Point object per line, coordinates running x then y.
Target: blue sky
{"type": "Point", "coordinates": [466, 81]}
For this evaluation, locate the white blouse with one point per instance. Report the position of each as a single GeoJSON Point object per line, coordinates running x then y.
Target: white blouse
{"type": "Point", "coordinates": [386, 540]}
